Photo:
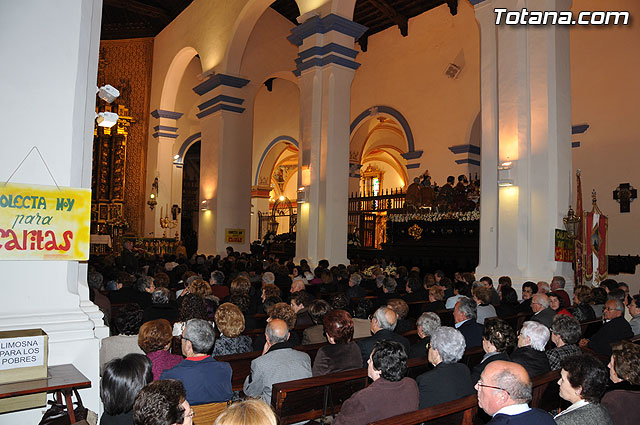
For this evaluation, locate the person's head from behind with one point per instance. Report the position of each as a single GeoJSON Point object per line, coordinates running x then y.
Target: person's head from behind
{"type": "Point", "coordinates": [503, 384]}
{"type": "Point", "coordinates": [508, 295]}
{"type": "Point", "coordinates": [400, 306]}
{"type": "Point", "coordinates": [162, 403]}
{"type": "Point", "coordinates": [317, 310]}
{"type": "Point", "coordinates": [129, 320]}
{"type": "Point", "coordinates": [230, 320]}
{"type": "Point", "coordinates": [497, 336]}
{"type": "Point", "coordinates": [338, 326]}
{"type": "Point", "coordinates": [447, 346]}
{"type": "Point", "coordinates": [122, 380]}
{"type": "Point", "coordinates": [625, 363]}
{"type": "Point", "coordinates": [565, 330]}
{"type": "Point", "coordinates": [198, 338]}
{"type": "Point", "coordinates": [427, 323]}
{"type": "Point", "coordinates": [383, 318]}
{"type": "Point", "coordinates": [155, 335]}
{"type": "Point", "coordinates": [583, 377]}
{"type": "Point", "coordinates": [247, 412]}
{"type": "Point", "coordinates": [533, 334]}
{"type": "Point", "coordinates": [465, 309]}
{"type": "Point", "coordinates": [192, 307]}
{"type": "Point", "coordinates": [285, 312]}
{"type": "Point", "coordinates": [388, 360]}
{"type": "Point", "coordinates": [276, 331]}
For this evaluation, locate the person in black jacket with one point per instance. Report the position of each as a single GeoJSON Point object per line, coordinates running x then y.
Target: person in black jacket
{"type": "Point", "coordinates": [530, 353]}
{"type": "Point", "coordinates": [449, 380]}
{"type": "Point", "coordinates": [464, 314]}
{"type": "Point", "coordinates": [383, 323]}
{"type": "Point", "coordinates": [426, 324]}
{"type": "Point", "coordinates": [615, 329]}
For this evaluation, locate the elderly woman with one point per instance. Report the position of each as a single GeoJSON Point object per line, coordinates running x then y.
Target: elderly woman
{"type": "Point", "coordinates": [581, 309]}
{"type": "Point", "coordinates": [582, 381]}
{"type": "Point", "coordinates": [557, 304]}
{"type": "Point", "coordinates": [155, 340]}
{"type": "Point", "coordinates": [390, 394]}
{"type": "Point", "coordinates": [530, 353]}
{"type": "Point", "coordinates": [192, 307]}
{"type": "Point", "coordinates": [403, 325]}
{"type": "Point", "coordinates": [498, 339]}
{"type": "Point", "coordinates": [426, 324]}
{"type": "Point", "coordinates": [449, 380]}
{"type": "Point", "coordinates": [342, 353]}
{"type": "Point", "coordinates": [482, 297]}
{"type": "Point", "coordinates": [622, 399]}
{"type": "Point", "coordinates": [230, 322]}
{"type": "Point", "coordinates": [122, 380]}
{"type": "Point", "coordinates": [565, 334]}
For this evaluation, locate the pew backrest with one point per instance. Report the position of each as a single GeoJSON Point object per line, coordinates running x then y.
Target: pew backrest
{"type": "Point", "coordinates": [462, 411]}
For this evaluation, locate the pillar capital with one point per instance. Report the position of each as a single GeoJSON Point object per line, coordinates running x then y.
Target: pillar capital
{"type": "Point", "coordinates": [221, 92]}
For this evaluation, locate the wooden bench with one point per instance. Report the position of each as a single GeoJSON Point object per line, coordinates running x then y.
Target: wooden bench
{"type": "Point", "coordinates": [305, 399]}
{"type": "Point", "coordinates": [590, 327]}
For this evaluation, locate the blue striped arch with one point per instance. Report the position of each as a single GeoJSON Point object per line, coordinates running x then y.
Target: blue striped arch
{"type": "Point", "coordinates": [268, 148]}
{"type": "Point", "coordinates": [185, 146]}
{"type": "Point", "coordinates": [390, 111]}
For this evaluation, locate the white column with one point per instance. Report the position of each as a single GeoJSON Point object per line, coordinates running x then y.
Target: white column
{"type": "Point", "coordinates": [225, 158]}
{"type": "Point", "coordinates": [51, 295]}
{"type": "Point", "coordinates": [526, 119]}
{"type": "Point", "coordinates": [325, 72]}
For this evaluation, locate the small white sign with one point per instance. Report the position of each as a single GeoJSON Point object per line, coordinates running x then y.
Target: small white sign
{"type": "Point", "coordinates": [24, 351]}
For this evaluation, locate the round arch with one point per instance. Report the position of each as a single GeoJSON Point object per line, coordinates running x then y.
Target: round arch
{"type": "Point", "coordinates": [385, 110]}
{"type": "Point", "coordinates": [185, 147]}
{"type": "Point", "coordinates": [174, 76]}
{"type": "Point", "coordinates": [271, 148]}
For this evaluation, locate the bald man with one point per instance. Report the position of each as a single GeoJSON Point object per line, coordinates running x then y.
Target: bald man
{"type": "Point", "coordinates": [504, 392]}
{"type": "Point", "coordinates": [383, 323]}
{"type": "Point", "coordinates": [279, 362]}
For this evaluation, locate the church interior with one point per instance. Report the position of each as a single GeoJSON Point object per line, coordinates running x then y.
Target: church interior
{"type": "Point", "coordinates": [374, 135]}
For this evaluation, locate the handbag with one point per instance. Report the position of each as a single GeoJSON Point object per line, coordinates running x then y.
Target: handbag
{"type": "Point", "coordinates": [57, 414]}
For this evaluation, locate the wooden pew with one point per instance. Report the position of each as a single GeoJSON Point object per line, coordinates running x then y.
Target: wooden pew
{"type": "Point", "coordinates": [590, 327]}
{"type": "Point", "coordinates": [546, 392]}
{"type": "Point", "coordinates": [304, 399]}
{"type": "Point", "coordinates": [516, 320]}
{"type": "Point", "coordinates": [462, 411]}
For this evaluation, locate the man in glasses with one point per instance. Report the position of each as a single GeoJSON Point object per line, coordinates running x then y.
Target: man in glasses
{"type": "Point", "coordinates": [504, 392]}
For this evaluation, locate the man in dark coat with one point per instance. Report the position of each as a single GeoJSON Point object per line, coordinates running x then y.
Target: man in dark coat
{"type": "Point", "coordinates": [542, 313]}
{"type": "Point", "coordinates": [615, 328]}
{"type": "Point", "coordinates": [530, 352]}
{"type": "Point", "coordinates": [355, 290]}
{"type": "Point", "coordinates": [464, 314]}
{"type": "Point", "coordinates": [504, 391]}
{"type": "Point", "coordinates": [382, 325]}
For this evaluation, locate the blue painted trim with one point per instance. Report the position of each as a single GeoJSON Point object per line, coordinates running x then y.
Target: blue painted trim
{"type": "Point", "coordinates": [324, 50]}
{"type": "Point", "coordinates": [575, 144]}
{"type": "Point", "coordinates": [412, 155]}
{"type": "Point", "coordinates": [217, 80]}
{"type": "Point", "coordinates": [159, 113]}
{"type": "Point", "coordinates": [468, 161]}
{"type": "Point", "coordinates": [220, 107]}
{"type": "Point", "coordinates": [395, 114]}
{"type": "Point", "coordinates": [317, 25]}
{"type": "Point", "coordinates": [410, 166]}
{"type": "Point", "coordinates": [185, 145]}
{"type": "Point", "coordinates": [160, 134]}
{"type": "Point", "coordinates": [468, 148]}
{"type": "Point", "coordinates": [319, 62]}
{"type": "Point", "coordinates": [165, 128]}
{"type": "Point", "coordinates": [220, 98]}
{"type": "Point", "coordinates": [268, 148]}
{"type": "Point", "coordinates": [475, 2]}
{"type": "Point", "coordinates": [579, 129]}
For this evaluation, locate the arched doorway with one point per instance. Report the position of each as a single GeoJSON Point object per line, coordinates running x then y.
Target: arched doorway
{"type": "Point", "coordinates": [190, 197]}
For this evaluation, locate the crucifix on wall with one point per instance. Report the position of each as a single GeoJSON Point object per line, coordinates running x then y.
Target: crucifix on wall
{"type": "Point", "coordinates": [625, 194]}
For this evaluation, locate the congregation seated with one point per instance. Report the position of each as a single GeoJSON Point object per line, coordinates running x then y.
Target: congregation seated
{"type": "Point", "coordinates": [390, 394]}
{"type": "Point", "coordinates": [284, 312]}
{"type": "Point", "coordinates": [528, 290]}
{"type": "Point", "coordinates": [498, 339]}
{"type": "Point", "coordinates": [205, 379]}
{"type": "Point", "coordinates": [414, 290]}
{"type": "Point", "coordinates": [218, 288]}
{"type": "Point", "coordinates": [243, 302]}
{"type": "Point", "coordinates": [161, 307]}
{"type": "Point", "coordinates": [230, 322]}
{"type": "Point", "coordinates": [504, 392]}
{"type": "Point", "coordinates": [615, 329]}
{"type": "Point", "coordinates": [482, 297]}
{"type": "Point", "coordinates": [389, 286]}
{"type": "Point", "coordinates": [509, 305]}
{"type": "Point", "coordinates": [122, 380]}
{"type": "Point", "coordinates": [383, 323]}
{"type": "Point", "coordinates": [436, 296]}
{"type": "Point", "coordinates": [162, 402]}
{"type": "Point", "coordinates": [342, 353]}
{"type": "Point", "coordinates": [459, 289]}
{"type": "Point", "coordinates": [565, 334]}
{"type": "Point", "coordinates": [155, 340]}
{"type": "Point", "coordinates": [401, 308]}
{"type": "Point", "coordinates": [426, 324]}
{"type": "Point", "coordinates": [464, 315]}
{"type": "Point", "coordinates": [449, 380]}
{"type": "Point", "coordinates": [133, 291]}
{"type": "Point", "coordinates": [581, 309]}
{"type": "Point", "coordinates": [355, 290]}
{"type": "Point", "coordinates": [530, 353]}
{"type": "Point", "coordinates": [557, 304]}
{"type": "Point", "coordinates": [622, 398]}
{"type": "Point", "coordinates": [583, 379]}
{"type": "Point", "coordinates": [315, 333]}
{"type": "Point", "coordinates": [127, 323]}
{"type": "Point", "coordinates": [279, 362]}
{"type": "Point", "coordinates": [542, 312]}
{"type": "Point", "coordinates": [495, 296]}
{"type": "Point", "coordinates": [300, 302]}
{"type": "Point", "coordinates": [192, 306]}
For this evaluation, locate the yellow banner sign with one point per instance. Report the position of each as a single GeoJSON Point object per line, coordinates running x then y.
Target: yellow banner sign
{"type": "Point", "coordinates": [44, 222]}
{"type": "Point", "coordinates": [234, 235]}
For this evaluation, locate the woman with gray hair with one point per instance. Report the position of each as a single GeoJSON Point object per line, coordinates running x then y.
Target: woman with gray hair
{"type": "Point", "coordinates": [426, 324]}
{"type": "Point", "coordinates": [565, 334]}
{"type": "Point", "coordinates": [449, 380]}
{"type": "Point", "coordinates": [532, 339]}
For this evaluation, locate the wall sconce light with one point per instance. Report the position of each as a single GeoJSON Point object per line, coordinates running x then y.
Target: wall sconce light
{"type": "Point", "coordinates": [505, 174]}
{"type": "Point", "coordinates": [303, 194]}
{"type": "Point", "coordinates": [107, 119]}
{"type": "Point", "coordinates": [153, 197]}
{"type": "Point", "coordinates": [204, 205]}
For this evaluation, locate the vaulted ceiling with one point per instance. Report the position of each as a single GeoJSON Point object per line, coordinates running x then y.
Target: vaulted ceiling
{"type": "Point", "coordinates": [146, 18]}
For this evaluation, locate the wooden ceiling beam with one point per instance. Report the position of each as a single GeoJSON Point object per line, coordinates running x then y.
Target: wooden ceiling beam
{"type": "Point", "coordinates": [139, 8]}
{"type": "Point", "coordinates": [386, 9]}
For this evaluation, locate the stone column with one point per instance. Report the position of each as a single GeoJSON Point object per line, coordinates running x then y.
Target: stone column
{"type": "Point", "coordinates": [325, 68]}
{"type": "Point", "coordinates": [526, 120]}
{"type": "Point", "coordinates": [165, 132]}
{"type": "Point", "coordinates": [51, 295]}
{"type": "Point", "coordinates": [225, 163]}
